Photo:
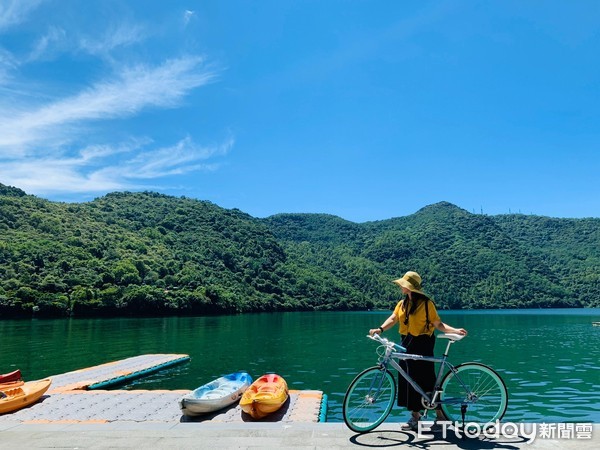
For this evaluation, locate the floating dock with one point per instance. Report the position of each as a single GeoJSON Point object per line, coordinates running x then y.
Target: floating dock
{"type": "Point", "coordinates": [114, 373]}
{"type": "Point", "coordinates": [81, 397]}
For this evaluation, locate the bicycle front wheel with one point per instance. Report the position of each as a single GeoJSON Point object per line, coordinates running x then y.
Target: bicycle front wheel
{"type": "Point", "coordinates": [476, 391]}
{"type": "Point", "coordinates": [369, 399]}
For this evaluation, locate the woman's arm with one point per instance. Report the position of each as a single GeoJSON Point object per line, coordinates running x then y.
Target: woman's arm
{"type": "Point", "coordinates": [444, 328]}
{"type": "Point", "coordinates": [389, 322]}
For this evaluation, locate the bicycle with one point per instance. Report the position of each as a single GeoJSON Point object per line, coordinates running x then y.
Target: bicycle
{"type": "Point", "coordinates": [469, 392]}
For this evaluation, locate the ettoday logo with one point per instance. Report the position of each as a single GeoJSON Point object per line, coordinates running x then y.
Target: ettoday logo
{"type": "Point", "coordinates": [510, 430]}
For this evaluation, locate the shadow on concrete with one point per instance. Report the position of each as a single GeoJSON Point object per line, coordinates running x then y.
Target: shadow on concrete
{"type": "Point", "coordinates": [431, 440]}
{"type": "Point", "coordinates": [227, 411]}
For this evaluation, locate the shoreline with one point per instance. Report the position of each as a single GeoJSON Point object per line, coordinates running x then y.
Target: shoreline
{"type": "Point", "coordinates": [545, 310]}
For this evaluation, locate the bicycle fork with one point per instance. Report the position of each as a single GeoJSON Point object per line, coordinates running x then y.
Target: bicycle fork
{"type": "Point", "coordinates": [373, 390]}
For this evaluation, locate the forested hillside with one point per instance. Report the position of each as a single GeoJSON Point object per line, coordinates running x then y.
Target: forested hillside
{"type": "Point", "coordinates": [467, 260]}
{"type": "Point", "coordinates": [147, 253]}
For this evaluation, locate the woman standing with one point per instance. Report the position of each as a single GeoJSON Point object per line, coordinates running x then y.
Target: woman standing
{"type": "Point", "coordinates": [418, 317]}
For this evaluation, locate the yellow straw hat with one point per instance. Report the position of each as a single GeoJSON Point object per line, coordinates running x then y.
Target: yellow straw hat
{"type": "Point", "coordinates": [411, 281]}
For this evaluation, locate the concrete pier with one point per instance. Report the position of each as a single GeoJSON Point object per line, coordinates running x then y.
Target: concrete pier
{"type": "Point", "coordinates": [258, 435]}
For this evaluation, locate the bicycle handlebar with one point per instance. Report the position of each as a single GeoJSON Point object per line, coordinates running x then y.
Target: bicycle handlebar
{"type": "Point", "coordinates": [386, 342]}
{"type": "Point", "coordinates": [376, 337]}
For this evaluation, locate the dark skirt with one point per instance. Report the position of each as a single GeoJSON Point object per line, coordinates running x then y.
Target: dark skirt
{"type": "Point", "coordinates": [422, 372]}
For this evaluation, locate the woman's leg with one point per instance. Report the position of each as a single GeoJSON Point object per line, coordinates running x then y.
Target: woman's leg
{"type": "Point", "coordinates": [422, 372]}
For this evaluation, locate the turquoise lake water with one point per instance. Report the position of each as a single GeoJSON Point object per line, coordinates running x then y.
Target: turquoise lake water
{"type": "Point", "coordinates": [549, 359]}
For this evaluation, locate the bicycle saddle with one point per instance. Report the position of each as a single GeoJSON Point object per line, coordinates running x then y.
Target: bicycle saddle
{"type": "Point", "coordinates": [451, 336]}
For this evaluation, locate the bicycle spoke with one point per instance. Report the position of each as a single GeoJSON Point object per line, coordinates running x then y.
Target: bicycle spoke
{"type": "Point", "coordinates": [485, 388]}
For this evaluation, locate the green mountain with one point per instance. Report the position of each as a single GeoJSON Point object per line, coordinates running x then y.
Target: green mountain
{"type": "Point", "coordinates": [147, 253]}
{"type": "Point", "coordinates": [467, 260]}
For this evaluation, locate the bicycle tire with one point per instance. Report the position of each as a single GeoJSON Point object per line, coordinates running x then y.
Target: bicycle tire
{"type": "Point", "coordinates": [369, 399]}
{"type": "Point", "coordinates": [485, 396]}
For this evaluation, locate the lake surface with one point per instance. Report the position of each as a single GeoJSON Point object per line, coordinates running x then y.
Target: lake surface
{"type": "Point", "coordinates": [549, 359]}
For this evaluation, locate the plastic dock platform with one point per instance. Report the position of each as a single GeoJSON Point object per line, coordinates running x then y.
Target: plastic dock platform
{"type": "Point", "coordinates": [114, 373]}
{"type": "Point", "coordinates": [80, 397]}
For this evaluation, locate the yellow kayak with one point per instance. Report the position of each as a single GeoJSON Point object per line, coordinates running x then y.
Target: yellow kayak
{"type": "Point", "coordinates": [10, 385]}
{"type": "Point", "coordinates": [17, 397]}
{"type": "Point", "coordinates": [265, 396]}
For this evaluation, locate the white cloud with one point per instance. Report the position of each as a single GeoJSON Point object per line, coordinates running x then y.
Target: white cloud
{"type": "Point", "coordinates": [36, 145]}
{"type": "Point", "coordinates": [7, 59]}
{"type": "Point", "coordinates": [88, 172]}
{"type": "Point", "coordinates": [120, 35]}
{"type": "Point", "coordinates": [51, 176]}
{"type": "Point", "coordinates": [56, 143]}
{"type": "Point", "coordinates": [14, 12]}
{"type": "Point", "coordinates": [183, 157]}
{"type": "Point", "coordinates": [94, 152]}
{"type": "Point", "coordinates": [43, 47]}
{"type": "Point", "coordinates": [187, 16]}
{"type": "Point", "coordinates": [133, 90]}
{"type": "Point", "coordinates": [7, 65]}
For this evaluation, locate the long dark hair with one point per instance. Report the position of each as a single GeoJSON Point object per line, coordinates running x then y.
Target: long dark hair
{"type": "Point", "coordinates": [410, 303]}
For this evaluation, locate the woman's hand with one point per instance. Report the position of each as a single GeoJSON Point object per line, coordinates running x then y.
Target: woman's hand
{"type": "Point", "coordinates": [445, 328]}
{"type": "Point", "coordinates": [373, 331]}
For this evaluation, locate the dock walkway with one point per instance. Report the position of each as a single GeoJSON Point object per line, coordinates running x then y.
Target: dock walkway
{"type": "Point", "coordinates": [114, 373]}
{"type": "Point", "coordinates": [80, 396]}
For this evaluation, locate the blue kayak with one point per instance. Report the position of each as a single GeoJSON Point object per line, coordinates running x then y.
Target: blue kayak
{"type": "Point", "coordinates": [217, 394]}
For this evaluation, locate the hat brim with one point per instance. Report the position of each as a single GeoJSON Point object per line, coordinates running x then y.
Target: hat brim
{"type": "Point", "coordinates": [405, 284]}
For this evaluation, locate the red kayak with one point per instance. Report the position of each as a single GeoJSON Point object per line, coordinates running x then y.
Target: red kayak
{"type": "Point", "coordinates": [11, 376]}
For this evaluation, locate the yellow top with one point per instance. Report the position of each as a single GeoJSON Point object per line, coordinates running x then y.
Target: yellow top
{"type": "Point", "coordinates": [417, 320]}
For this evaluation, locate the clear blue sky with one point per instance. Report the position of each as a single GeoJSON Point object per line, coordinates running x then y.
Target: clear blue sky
{"type": "Point", "coordinates": [363, 109]}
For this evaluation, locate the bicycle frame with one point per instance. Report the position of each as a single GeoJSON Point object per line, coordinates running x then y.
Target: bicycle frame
{"type": "Point", "coordinates": [389, 360]}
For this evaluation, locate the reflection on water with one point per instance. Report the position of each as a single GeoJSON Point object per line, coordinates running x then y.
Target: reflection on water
{"type": "Point", "coordinates": [549, 359]}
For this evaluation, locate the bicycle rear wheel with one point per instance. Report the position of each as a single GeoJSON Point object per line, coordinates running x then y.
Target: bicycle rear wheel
{"type": "Point", "coordinates": [475, 390]}
{"type": "Point", "coordinates": [369, 399]}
